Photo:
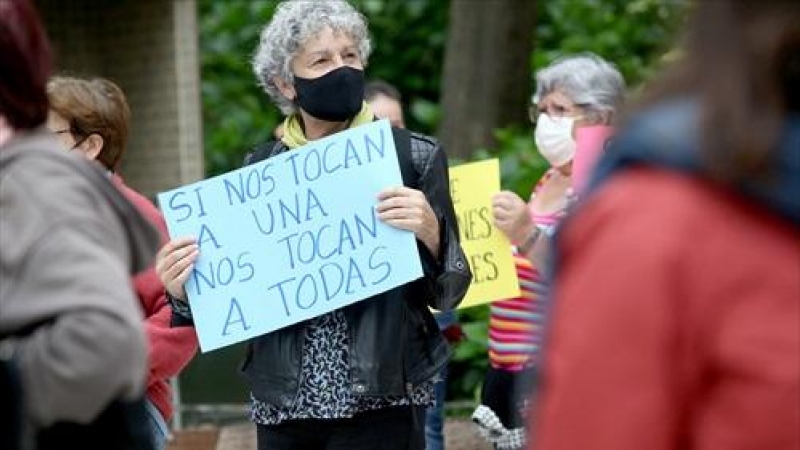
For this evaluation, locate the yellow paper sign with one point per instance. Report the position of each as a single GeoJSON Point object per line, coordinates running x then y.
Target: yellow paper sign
{"type": "Point", "coordinates": [488, 251]}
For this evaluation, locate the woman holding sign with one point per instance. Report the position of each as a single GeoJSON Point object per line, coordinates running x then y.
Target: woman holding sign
{"type": "Point", "coordinates": [575, 97]}
{"type": "Point", "coordinates": [359, 377]}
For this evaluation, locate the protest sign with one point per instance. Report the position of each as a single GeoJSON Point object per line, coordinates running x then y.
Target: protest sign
{"type": "Point", "coordinates": [292, 237]}
{"type": "Point", "coordinates": [488, 251]}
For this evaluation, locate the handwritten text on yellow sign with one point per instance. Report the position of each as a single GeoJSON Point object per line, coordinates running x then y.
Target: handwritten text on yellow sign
{"type": "Point", "coordinates": [488, 251]}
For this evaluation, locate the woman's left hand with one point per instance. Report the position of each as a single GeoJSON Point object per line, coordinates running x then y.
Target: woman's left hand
{"type": "Point", "coordinates": [408, 209]}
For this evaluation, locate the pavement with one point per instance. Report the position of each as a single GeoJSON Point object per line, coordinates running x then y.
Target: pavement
{"type": "Point", "coordinates": [459, 435]}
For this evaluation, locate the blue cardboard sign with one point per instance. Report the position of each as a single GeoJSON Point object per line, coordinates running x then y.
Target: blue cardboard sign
{"type": "Point", "coordinates": [292, 237]}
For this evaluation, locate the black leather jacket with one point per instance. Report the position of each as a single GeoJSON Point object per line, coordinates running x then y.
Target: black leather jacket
{"type": "Point", "coordinates": [395, 343]}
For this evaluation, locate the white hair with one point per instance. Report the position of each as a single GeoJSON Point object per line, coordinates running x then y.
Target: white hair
{"type": "Point", "coordinates": [294, 22]}
{"type": "Point", "coordinates": [587, 79]}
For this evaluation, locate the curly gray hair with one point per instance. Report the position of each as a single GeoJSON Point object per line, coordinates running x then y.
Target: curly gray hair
{"type": "Point", "coordinates": [587, 79]}
{"type": "Point", "coordinates": [294, 22]}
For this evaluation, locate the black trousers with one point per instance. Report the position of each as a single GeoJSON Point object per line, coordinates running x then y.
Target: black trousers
{"type": "Point", "coordinates": [508, 393]}
{"type": "Point", "coordinates": [397, 428]}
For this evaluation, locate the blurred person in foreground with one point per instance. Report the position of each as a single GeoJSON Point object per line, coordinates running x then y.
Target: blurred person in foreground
{"type": "Point", "coordinates": [72, 348]}
{"type": "Point", "coordinates": [359, 377]}
{"type": "Point", "coordinates": [386, 103]}
{"type": "Point", "coordinates": [677, 292]}
{"type": "Point", "coordinates": [576, 92]}
{"type": "Point", "coordinates": [91, 118]}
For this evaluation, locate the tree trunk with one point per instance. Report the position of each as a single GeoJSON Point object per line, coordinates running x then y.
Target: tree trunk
{"type": "Point", "coordinates": [487, 71]}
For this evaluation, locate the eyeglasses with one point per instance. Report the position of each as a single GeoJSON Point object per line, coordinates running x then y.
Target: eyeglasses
{"type": "Point", "coordinates": [78, 142]}
{"type": "Point", "coordinates": [555, 113]}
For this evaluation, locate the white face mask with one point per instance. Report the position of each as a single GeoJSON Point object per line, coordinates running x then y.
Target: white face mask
{"type": "Point", "coordinates": [554, 139]}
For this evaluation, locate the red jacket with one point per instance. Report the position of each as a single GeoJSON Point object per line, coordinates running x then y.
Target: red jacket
{"type": "Point", "coordinates": [675, 323]}
{"type": "Point", "coordinates": [170, 349]}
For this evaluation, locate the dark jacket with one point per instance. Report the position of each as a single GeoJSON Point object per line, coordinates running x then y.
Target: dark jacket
{"type": "Point", "coordinates": [395, 343]}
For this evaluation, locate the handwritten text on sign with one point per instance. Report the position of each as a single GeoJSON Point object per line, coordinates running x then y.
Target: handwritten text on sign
{"type": "Point", "coordinates": [292, 237]}
{"type": "Point", "coordinates": [488, 251]}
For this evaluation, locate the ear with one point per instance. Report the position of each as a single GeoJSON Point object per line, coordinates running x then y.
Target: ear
{"type": "Point", "coordinates": [92, 146]}
{"type": "Point", "coordinates": [286, 88]}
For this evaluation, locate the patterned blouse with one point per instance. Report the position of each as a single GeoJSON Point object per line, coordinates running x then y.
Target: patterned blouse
{"type": "Point", "coordinates": [325, 391]}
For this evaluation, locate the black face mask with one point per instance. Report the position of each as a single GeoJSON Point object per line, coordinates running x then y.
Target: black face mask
{"type": "Point", "coordinates": [334, 97]}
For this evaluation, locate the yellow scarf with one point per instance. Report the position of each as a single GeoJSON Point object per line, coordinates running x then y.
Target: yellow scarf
{"type": "Point", "coordinates": [294, 137]}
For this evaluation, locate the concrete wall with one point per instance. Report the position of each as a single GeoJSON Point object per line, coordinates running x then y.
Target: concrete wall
{"type": "Point", "coordinates": [149, 48]}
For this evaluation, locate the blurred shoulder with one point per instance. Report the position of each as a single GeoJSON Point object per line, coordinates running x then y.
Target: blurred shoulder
{"type": "Point", "coordinates": [36, 169]}
{"type": "Point", "coordinates": [41, 192]}
{"type": "Point", "coordinates": [660, 205]}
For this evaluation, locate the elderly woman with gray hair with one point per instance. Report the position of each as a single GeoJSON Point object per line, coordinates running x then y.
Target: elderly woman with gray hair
{"type": "Point", "coordinates": [575, 103]}
{"type": "Point", "coordinates": [359, 377]}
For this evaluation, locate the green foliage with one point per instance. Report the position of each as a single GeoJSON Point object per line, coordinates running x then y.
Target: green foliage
{"type": "Point", "coordinates": [408, 39]}
{"type": "Point", "coordinates": [470, 360]}
{"type": "Point", "coordinates": [237, 114]}
{"type": "Point", "coordinates": [633, 34]}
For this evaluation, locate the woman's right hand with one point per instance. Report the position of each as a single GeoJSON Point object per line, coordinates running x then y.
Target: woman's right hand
{"type": "Point", "coordinates": [511, 216]}
{"type": "Point", "coordinates": [174, 263]}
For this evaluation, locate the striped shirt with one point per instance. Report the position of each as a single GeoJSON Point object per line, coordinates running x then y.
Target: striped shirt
{"type": "Point", "coordinates": [515, 324]}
